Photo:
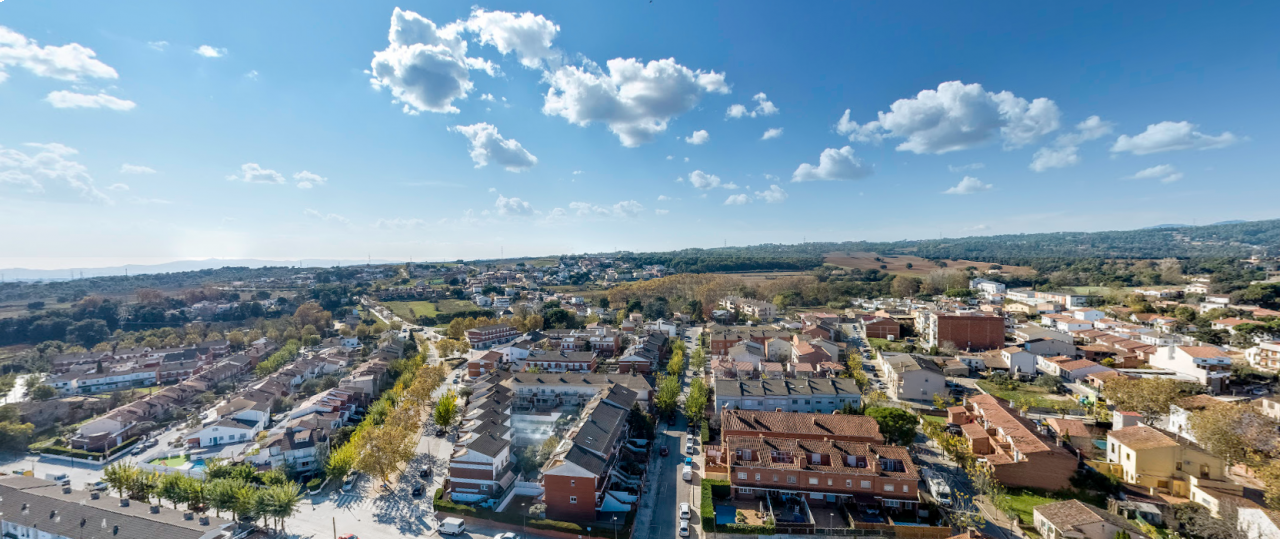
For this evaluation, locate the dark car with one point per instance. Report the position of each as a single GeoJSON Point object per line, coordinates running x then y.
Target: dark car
{"type": "Point", "coordinates": [418, 490]}
{"type": "Point", "coordinates": [664, 451]}
{"type": "Point", "coordinates": [424, 472]}
{"type": "Point", "coordinates": [440, 432]}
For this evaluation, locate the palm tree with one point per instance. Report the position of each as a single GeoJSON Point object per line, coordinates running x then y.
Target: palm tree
{"type": "Point", "coordinates": [284, 502]}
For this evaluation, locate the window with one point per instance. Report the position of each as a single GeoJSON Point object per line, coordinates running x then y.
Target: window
{"type": "Point", "coordinates": [888, 487]}
{"type": "Point", "coordinates": [742, 475]}
{"type": "Point", "coordinates": [866, 484]}
{"type": "Point", "coordinates": [813, 480]}
{"type": "Point", "coordinates": [904, 489]}
{"type": "Point", "coordinates": [484, 487]}
{"type": "Point", "coordinates": [573, 499]}
{"type": "Point", "coordinates": [848, 483]}
{"type": "Point", "coordinates": [757, 477]}
{"type": "Point", "coordinates": [828, 481]}
{"type": "Point", "coordinates": [744, 491]}
{"type": "Point", "coordinates": [572, 482]}
{"type": "Point", "coordinates": [775, 478]}
{"type": "Point", "coordinates": [791, 479]}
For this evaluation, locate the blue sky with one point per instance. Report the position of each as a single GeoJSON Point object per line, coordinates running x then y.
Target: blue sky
{"type": "Point", "coordinates": [143, 132]}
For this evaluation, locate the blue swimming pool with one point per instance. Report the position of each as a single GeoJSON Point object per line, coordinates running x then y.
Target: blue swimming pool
{"type": "Point", "coordinates": [726, 514]}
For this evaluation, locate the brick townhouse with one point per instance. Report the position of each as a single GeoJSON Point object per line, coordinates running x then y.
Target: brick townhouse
{"type": "Point", "coordinates": [1010, 446]}
{"type": "Point", "coordinates": [848, 428]}
{"type": "Point", "coordinates": [831, 472]}
{"type": "Point", "coordinates": [722, 338]}
{"type": "Point", "coordinates": [486, 336]}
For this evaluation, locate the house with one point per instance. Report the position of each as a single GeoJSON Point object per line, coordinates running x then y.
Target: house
{"type": "Point", "coordinates": [827, 472]}
{"type": "Point", "coordinates": [800, 426]}
{"type": "Point", "coordinates": [1071, 369]}
{"type": "Point", "coordinates": [483, 363]}
{"type": "Point", "coordinates": [32, 508]}
{"type": "Point", "coordinates": [1180, 414]}
{"type": "Point", "coordinates": [485, 337]}
{"type": "Point", "coordinates": [968, 331]}
{"type": "Point", "coordinates": [911, 377]}
{"type": "Point", "coordinates": [988, 289]}
{"type": "Point", "coordinates": [1010, 446]}
{"type": "Point", "coordinates": [821, 395]}
{"type": "Point", "coordinates": [1073, 519]}
{"type": "Point", "coordinates": [1264, 356]}
{"type": "Point", "coordinates": [1206, 364]}
{"type": "Point", "coordinates": [1018, 361]}
{"type": "Point", "coordinates": [720, 338]}
{"type": "Point", "coordinates": [578, 477]}
{"type": "Point", "coordinates": [1229, 324]}
{"type": "Point", "coordinates": [1041, 346]}
{"type": "Point", "coordinates": [1149, 458]}
{"type": "Point", "coordinates": [881, 328]}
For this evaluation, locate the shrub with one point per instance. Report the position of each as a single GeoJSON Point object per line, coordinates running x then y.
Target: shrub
{"type": "Point", "coordinates": [314, 484]}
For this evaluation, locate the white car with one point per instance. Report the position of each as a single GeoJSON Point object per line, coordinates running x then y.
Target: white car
{"type": "Point", "coordinates": [684, 528]}
{"type": "Point", "coordinates": [684, 512]}
{"type": "Point", "coordinates": [350, 481]}
{"type": "Point", "coordinates": [508, 535]}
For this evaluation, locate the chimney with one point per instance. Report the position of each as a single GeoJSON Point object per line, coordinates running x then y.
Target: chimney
{"type": "Point", "coordinates": [874, 463]}
{"type": "Point", "coordinates": [124, 502]}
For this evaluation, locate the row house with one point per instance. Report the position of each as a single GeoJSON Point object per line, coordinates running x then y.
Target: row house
{"type": "Point", "coordinates": [644, 356]}
{"type": "Point", "coordinates": [833, 472]}
{"type": "Point", "coordinates": [93, 381]}
{"type": "Point", "coordinates": [1010, 446]}
{"type": "Point", "coordinates": [480, 465]}
{"type": "Point", "coordinates": [721, 338]}
{"type": "Point", "coordinates": [579, 478]}
{"type": "Point", "coordinates": [822, 395]}
{"type": "Point", "coordinates": [798, 426]}
{"type": "Point", "coordinates": [485, 337]}
{"type": "Point", "coordinates": [581, 362]}
{"type": "Point", "coordinates": [603, 340]}
{"type": "Point", "coordinates": [1069, 368]}
{"type": "Point", "coordinates": [483, 363]}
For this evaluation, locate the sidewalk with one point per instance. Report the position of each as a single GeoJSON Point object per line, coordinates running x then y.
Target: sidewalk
{"type": "Point", "coordinates": [644, 513]}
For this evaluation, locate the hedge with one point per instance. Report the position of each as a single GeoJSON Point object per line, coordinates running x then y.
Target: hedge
{"type": "Point", "coordinates": [708, 507]}
{"type": "Point", "coordinates": [448, 506]}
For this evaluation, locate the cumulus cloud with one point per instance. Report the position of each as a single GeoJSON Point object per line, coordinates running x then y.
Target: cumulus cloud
{"type": "Point", "coordinates": [957, 116]}
{"type": "Point", "coordinates": [833, 164]}
{"type": "Point", "coordinates": [486, 97]}
{"type": "Point", "coordinates": [737, 200]}
{"type": "Point", "coordinates": [702, 180]}
{"type": "Point", "coordinates": [772, 133]}
{"type": "Point", "coordinates": [399, 223]}
{"type": "Point", "coordinates": [663, 197]}
{"type": "Point", "coordinates": [252, 173]}
{"type": "Point", "coordinates": [661, 212]}
{"type": "Point", "coordinates": [48, 171]}
{"type": "Point", "coordinates": [73, 62]}
{"type": "Point", "coordinates": [636, 100]}
{"type": "Point", "coordinates": [1169, 136]}
{"type": "Point", "coordinates": [62, 99]}
{"type": "Point", "coordinates": [425, 66]}
{"type": "Point", "coordinates": [966, 168]}
{"type": "Point", "coordinates": [577, 172]}
{"type": "Point", "coordinates": [158, 45]}
{"type": "Point", "coordinates": [327, 217]}
{"type": "Point", "coordinates": [624, 209]}
{"type": "Point", "coordinates": [211, 52]}
{"type": "Point", "coordinates": [136, 169]}
{"type": "Point", "coordinates": [307, 180]}
{"type": "Point", "coordinates": [512, 206]}
{"type": "Point", "coordinates": [1064, 151]}
{"type": "Point", "coordinates": [763, 107]}
{"type": "Point", "coordinates": [487, 144]}
{"type": "Point", "coordinates": [1164, 173]}
{"type": "Point", "coordinates": [118, 187]}
{"type": "Point", "coordinates": [529, 36]}
{"type": "Point", "coordinates": [968, 186]}
{"type": "Point", "coordinates": [698, 137]}
{"type": "Point", "coordinates": [774, 195]}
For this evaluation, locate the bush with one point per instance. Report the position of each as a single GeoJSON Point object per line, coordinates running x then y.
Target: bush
{"type": "Point", "coordinates": [314, 484]}
{"type": "Point", "coordinates": [707, 508]}
{"type": "Point", "coordinates": [446, 506]}
{"type": "Point", "coordinates": [706, 433]}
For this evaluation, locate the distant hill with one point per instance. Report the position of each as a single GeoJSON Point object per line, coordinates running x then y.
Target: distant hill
{"type": "Point", "coordinates": [23, 274]}
{"type": "Point", "coordinates": [1164, 226]}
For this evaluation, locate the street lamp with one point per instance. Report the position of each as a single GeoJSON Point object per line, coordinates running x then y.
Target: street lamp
{"type": "Point", "coordinates": [615, 526]}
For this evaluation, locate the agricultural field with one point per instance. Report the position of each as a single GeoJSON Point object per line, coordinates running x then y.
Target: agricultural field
{"type": "Point", "coordinates": [411, 310]}
{"type": "Point", "coordinates": [897, 264]}
{"type": "Point", "coordinates": [760, 277]}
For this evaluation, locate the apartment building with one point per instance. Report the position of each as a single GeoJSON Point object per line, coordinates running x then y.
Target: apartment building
{"type": "Point", "coordinates": [605, 341]}
{"type": "Point", "coordinates": [750, 307]}
{"type": "Point", "coordinates": [562, 361]}
{"type": "Point", "coordinates": [1265, 356]}
{"type": "Point", "coordinates": [1009, 445]}
{"type": "Point", "coordinates": [484, 363]}
{"type": "Point", "coordinates": [911, 377]}
{"type": "Point", "coordinates": [484, 337]}
{"type": "Point", "coordinates": [820, 395]}
{"type": "Point", "coordinates": [966, 331]}
{"type": "Point", "coordinates": [1206, 364]}
{"type": "Point", "coordinates": [831, 472]}
{"type": "Point", "coordinates": [798, 426]}
{"type": "Point", "coordinates": [881, 328]}
{"type": "Point", "coordinates": [32, 508]}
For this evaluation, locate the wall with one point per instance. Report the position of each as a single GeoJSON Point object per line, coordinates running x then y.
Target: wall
{"type": "Point", "coordinates": [974, 333]}
{"type": "Point", "coordinates": [559, 489]}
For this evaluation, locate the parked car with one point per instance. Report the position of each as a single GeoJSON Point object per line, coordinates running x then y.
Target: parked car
{"type": "Point", "coordinates": [508, 535]}
{"type": "Point", "coordinates": [424, 472]}
{"type": "Point", "coordinates": [137, 450]}
{"type": "Point", "coordinates": [664, 451]}
{"type": "Point", "coordinates": [99, 486]}
{"type": "Point", "coordinates": [418, 489]}
{"type": "Point", "coordinates": [350, 481]}
{"type": "Point", "coordinates": [452, 526]}
{"type": "Point", "coordinates": [684, 528]}
{"type": "Point", "coordinates": [684, 511]}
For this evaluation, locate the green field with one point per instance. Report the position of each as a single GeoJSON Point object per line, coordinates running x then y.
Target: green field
{"type": "Point", "coordinates": [419, 308]}
{"type": "Point", "coordinates": [455, 306]}
{"type": "Point", "coordinates": [1039, 396]}
{"type": "Point", "coordinates": [1023, 501]}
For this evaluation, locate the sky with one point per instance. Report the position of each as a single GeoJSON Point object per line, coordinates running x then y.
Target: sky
{"type": "Point", "coordinates": [145, 132]}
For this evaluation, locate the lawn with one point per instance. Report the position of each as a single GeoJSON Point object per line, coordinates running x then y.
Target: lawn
{"type": "Point", "coordinates": [934, 418]}
{"type": "Point", "coordinates": [1038, 395]}
{"type": "Point", "coordinates": [411, 310]}
{"type": "Point", "coordinates": [455, 306]}
{"type": "Point", "coordinates": [1024, 501]}
{"type": "Point", "coordinates": [172, 462]}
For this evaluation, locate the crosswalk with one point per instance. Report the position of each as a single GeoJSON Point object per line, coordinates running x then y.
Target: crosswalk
{"type": "Point", "coordinates": [351, 501]}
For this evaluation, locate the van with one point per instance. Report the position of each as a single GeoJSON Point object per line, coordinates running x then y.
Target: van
{"type": "Point", "coordinates": [59, 478]}
{"type": "Point", "coordinates": [453, 526]}
{"type": "Point", "coordinates": [687, 474]}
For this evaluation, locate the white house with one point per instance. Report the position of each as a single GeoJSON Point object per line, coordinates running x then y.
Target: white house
{"type": "Point", "coordinates": [1206, 364]}
{"type": "Point", "coordinates": [987, 288]}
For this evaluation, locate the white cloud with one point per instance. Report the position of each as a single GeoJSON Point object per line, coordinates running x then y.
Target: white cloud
{"type": "Point", "coordinates": [486, 97]}
{"type": "Point", "coordinates": [737, 200]}
{"type": "Point", "coordinates": [774, 195]}
{"type": "Point", "coordinates": [487, 144]}
{"type": "Point", "coordinates": [670, 157]}
{"type": "Point", "coordinates": [399, 223]}
{"type": "Point", "coordinates": [968, 186]}
{"type": "Point", "coordinates": [48, 171]}
{"type": "Point", "coordinates": [493, 189]}
{"type": "Point", "coordinates": [307, 180]}
{"type": "Point", "coordinates": [71, 62]}
{"type": "Point", "coordinates": [1064, 151]}
{"type": "Point", "coordinates": [702, 180]}
{"type": "Point", "coordinates": [425, 66]}
{"type": "Point", "coordinates": [327, 217]}
{"type": "Point", "coordinates": [512, 206]}
{"type": "Point", "coordinates": [577, 172]}
{"type": "Point", "coordinates": [62, 99]}
{"type": "Point", "coordinates": [661, 212]}
{"type": "Point", "coordinates": [772, 133]}
{"type": "Point", "coordinates": [764, 107]}
{"type": "Point", "coordinates": [624, 209]}
{"type": "Point", "coordinates": [136, 169]}
{"type": "Point", "coordinates": [634, 99]}
{"type": "Point", "coordinates": [966, 168]}
{"type": "Point", "coordinates": [698, 137]}
{"type": "Point", "coordinates": [729, 185]}
{"type": "Point", "coordinates": [1164, 173]}
{"type": "Point", "coordinates": [686, 159]}
{"type": "Point", "coordinates": [252, 173]}
{"type": "Point", "coordinates": [1169, 136]}
{"type": "Point", "coordinates": [252, 74]}
{"type": "Point", "coordinates": [118, 187]}
{"type": "Point", "coordinates": [158, 45]}
{"type": "Point", "coordinates": [833, 164]}
{"type": "Point", "coordinates": [957, 116]}
{"type": "Point", "coordinates": [145, 201]}
{"type": "Point", "coordinates": [663, 197]}
{"type": "Point", "coordinates": [211, 52]}
{"type": "Point", "coordinates": [526, 34]}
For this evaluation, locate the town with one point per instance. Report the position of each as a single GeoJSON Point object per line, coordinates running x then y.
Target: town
{"type": "Point", "coordinates": [472, 397]}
